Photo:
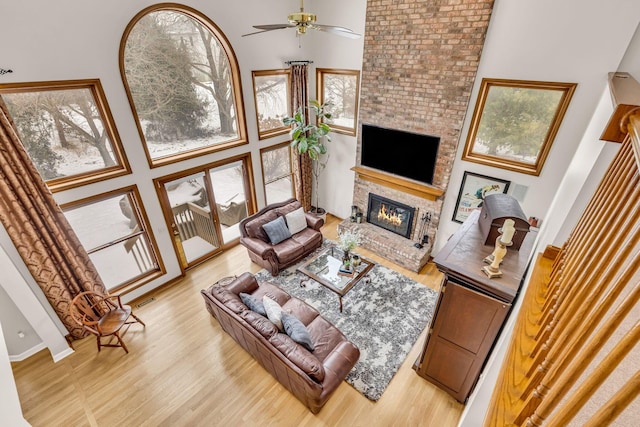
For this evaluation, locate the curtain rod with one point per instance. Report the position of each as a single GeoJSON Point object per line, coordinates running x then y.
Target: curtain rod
{"type": "Point", "coordinates": [298, 62]}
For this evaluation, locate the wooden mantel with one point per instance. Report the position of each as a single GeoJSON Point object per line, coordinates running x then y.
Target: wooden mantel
{"type": "Point", "coordinates": [397, 183]}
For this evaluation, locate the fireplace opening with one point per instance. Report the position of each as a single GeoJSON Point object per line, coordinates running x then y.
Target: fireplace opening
{"type": "Point", "coordinates": [390, 215]}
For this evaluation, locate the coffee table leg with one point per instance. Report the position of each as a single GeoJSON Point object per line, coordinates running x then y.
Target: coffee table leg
{"type": "Point", "coordinates": [340, 304]}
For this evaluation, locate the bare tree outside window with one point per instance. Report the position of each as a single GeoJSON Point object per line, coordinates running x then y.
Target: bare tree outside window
{"type": "Point", "coordinates": [182, 84]}
{"type": "Point", "coordinates": [67, 131]}
{"type": "Point", "coordinates": [273, 101]}
{"type": "Point", "coordinates": [339, 89]}
{"type": "Point", "coordinates": [277, 173]}
{"type": "Point", "coordinates": [515, 123]}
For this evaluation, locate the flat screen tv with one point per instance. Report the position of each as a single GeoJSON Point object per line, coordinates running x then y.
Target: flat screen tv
{"type": "Point", "coordinates": [407, 154]}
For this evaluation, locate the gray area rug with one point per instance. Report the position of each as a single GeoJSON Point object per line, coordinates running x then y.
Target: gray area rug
{"type": "Point", "coordinates": [384, 318]}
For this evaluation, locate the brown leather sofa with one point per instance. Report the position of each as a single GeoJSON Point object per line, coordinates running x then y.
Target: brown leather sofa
{"type": "Point", "coordinates": [281, 255]}
{"type": "Point", "coordinates": [311, 376]}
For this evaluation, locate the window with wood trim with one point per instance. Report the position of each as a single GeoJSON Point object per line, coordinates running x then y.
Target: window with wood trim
{"type": "Point", "coordinates": [183, 82]}
{"type": "Point", "coordinates": [114, 230]}
{"type": "Point", "coordinates": [67, 129]}
{"type": "Point", "coordinates": [340, 90]}
{"type": "Point", "coordinates": [515, 123]}
{"type": "Point", "coordinates": [277, 173]}
{"type": "Point", "coordinates": [273, 101]}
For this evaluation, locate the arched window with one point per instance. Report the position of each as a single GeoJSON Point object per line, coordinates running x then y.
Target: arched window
{"type": "Point", "coordinates": [183, 83]}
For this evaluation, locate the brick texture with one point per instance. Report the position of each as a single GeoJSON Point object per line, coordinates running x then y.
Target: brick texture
{"type": "Point", "coordinates": [420, 63]}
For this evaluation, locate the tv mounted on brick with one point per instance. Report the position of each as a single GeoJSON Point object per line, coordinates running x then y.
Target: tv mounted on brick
{"type": "Point", "coordinates": [406, 154]}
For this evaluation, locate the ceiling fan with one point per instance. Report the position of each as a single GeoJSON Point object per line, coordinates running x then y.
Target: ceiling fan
{"type": "Point", "coordinates": [302, 21]}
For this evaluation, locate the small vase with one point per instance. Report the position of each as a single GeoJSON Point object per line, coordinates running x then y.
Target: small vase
{"type": "Point", "coordinates": [355, 261]}
{"type": "Point", "coordinates": [346, 257]}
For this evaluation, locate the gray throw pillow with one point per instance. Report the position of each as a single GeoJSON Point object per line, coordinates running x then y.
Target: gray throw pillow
{"type": "Point", "coordinates": [277, 230]}
{"type": "Point", "coordinates": [253, 303]}
{"type": "Point", "coordinates": [297, 331]}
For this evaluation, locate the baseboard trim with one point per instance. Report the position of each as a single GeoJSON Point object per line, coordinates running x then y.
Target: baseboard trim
{"type": "Point", "coordinates": [59, 356]}
{"type": "Point", "coordinates": [30, 352]}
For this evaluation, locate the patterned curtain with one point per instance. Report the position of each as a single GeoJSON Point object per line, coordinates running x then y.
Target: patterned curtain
{"type": "Point", "coordinates": [39, 230]}
{"type": "Point", "coordinates": [301, 164]}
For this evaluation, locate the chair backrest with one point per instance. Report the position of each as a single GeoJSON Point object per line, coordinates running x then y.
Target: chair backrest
{"type": "Point", "coordinates": [88, 307]}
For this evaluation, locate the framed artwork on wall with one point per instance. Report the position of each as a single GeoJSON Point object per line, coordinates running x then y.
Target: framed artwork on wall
{"type": "Point", "coordinates": [473, 190]}
{"type": "Point", "coordinates": [515, 123]}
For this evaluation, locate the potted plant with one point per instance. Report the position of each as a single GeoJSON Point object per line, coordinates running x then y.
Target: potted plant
{"type": "Point", "coordinates": [348, 240]}
{"type": "Point", "coordinates": [310, 139]}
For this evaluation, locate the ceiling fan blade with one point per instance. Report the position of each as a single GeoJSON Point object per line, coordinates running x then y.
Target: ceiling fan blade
{"type": "Point", "coordinates": [270, 27]}
{"type": "Point", "coordinates": [340, 31]}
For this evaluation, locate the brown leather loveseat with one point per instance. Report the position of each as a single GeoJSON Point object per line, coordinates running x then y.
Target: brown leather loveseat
{"type": "Point", "coordinates": [277, 256]}
{"type": "Point", "coordinates": [312, 376]}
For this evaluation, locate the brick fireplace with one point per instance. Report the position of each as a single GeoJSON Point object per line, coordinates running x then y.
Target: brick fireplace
{"type": "Point", "coordinates": [419, 66]}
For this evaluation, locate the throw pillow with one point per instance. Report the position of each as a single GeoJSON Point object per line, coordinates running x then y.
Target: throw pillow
{"type": "Point", "coordinates": [297, 331]}
{"type": "Point", "coordinates": [253, 304]}
{"type": "Point", "coordinates": [296, 221]}
{"type": "Point", "coordinates": [274, 311]}
{"type": "Point", "coordinates": [277, 230]}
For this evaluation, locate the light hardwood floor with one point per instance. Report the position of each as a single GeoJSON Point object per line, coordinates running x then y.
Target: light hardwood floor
{"type": "Point", "coordinates": [183, 370]}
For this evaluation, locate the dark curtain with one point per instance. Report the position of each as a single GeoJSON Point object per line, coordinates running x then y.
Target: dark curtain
{"type": "Point", "coordinates": [303, 177]}
{"type": "Point", "coordinates": [39, 230]}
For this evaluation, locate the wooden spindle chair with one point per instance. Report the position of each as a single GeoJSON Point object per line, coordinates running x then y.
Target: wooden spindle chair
{"type": "Point", "coordinates": [103, 316]}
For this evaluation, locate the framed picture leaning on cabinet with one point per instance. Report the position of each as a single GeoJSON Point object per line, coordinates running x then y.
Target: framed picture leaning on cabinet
{"type": "Point", "coordinates": [473, 190]}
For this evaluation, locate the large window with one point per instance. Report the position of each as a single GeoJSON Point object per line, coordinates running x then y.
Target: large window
{"type": "Point", "coordinates": [515, 122]}
{"type": "Point", "coordinates": [113, 229]}
{"type": "Point", "coordinates": [273, 102]}
{"type": "Point", "coordinates": [277, 173]}
{"type": "Point", "coordinates": [339, 89]}
{"type": "Point", "coordinates": [67, 129]}
{"type": "Point", "coordinates": [183, 84]}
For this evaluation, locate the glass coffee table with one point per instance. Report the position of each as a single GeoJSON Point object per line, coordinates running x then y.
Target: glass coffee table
{"type": "Point", "coordinates": [324, 268]}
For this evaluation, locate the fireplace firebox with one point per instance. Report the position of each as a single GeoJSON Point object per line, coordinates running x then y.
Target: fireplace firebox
{"type": "Point", "coordinates": [390, 215]}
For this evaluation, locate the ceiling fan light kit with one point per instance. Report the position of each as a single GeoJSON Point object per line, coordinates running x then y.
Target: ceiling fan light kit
{"type": "Point", "coordinates": [301, 21]}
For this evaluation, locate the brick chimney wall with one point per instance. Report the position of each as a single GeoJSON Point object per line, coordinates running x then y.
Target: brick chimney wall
{"type": "Point", "coordinates": [420, 63]}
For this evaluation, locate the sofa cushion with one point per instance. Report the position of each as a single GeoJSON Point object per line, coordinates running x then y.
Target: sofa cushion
{"type": "Point", "coordinates": [253, 303]}
{"type": "Point", "coordinates": [272, 291]}
{"type": "Point", "coordinates": [276, 230]}
{"type": "Point", "coordinates": [254, 228]}
{"type": "Point", "coordinates": [260, 323]}
{"type": "Point", "coordinates": [228, 298]}
{"type": "Point", "coordinates": [325, 336]}
{"type": "Point", "coordinates": [274, 311]}
{"type": "Point", "coordinates": [288, 251]}
{"type": "Point", "coordinates": [301, 310]}
{"type": "Point", "coordinates": [296, 330]}
{"type": "Point", "coordinates": [308, 238]}
{"type": "Point", "coordinates": [299, 356]}
{"type": "Point", "coordinates": [296, 220]}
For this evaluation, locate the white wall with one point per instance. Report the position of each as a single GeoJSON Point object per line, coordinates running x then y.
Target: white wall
{"type": "Point", "coordinates": [9, 404]}
{"type": "Point", "coordinates": [571, 41]}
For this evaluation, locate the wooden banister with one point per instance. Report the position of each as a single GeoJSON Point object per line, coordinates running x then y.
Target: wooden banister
{"type": "Point", "coordinates": [575, 306]}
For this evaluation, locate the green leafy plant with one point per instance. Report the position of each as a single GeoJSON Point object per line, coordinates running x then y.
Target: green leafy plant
{"type": "Point", "coordinates": [310, 137]}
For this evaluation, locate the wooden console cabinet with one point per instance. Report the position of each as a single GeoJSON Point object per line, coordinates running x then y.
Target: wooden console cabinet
{"type": "Point", "coordinates": [471, 309]}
